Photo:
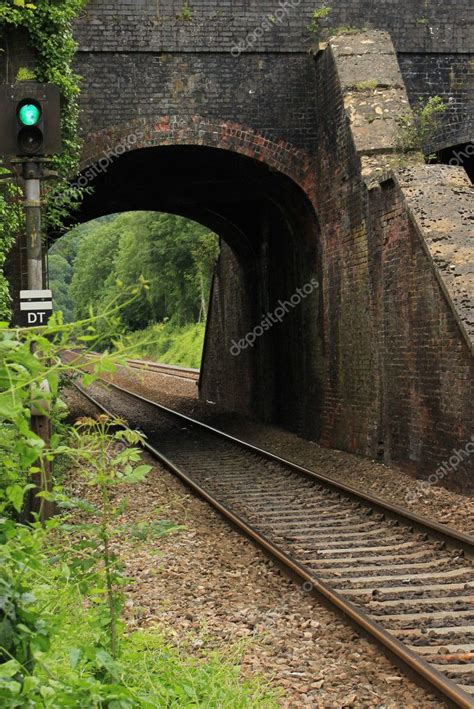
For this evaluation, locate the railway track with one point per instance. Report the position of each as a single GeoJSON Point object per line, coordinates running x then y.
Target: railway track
{"type": "Point", "coordinates": [149, 366]}
{"type": "Point", "coordinates": [167, 369]}
{"type": "Point", "coordinates": [405, 581]}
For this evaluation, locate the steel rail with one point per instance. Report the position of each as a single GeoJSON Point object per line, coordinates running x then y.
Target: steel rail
{"type": "Point", "coordinates": [396, 650]}
{"type": "Point", "coordinates": [166, 370]}
{"type": "Point", "coordinates": [439, 531]}
{"type": "Point", "coordinates": [170, 370]}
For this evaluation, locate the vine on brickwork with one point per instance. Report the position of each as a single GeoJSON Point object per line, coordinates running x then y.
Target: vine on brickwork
{"type": "Point", "coordinates": [49, 26]}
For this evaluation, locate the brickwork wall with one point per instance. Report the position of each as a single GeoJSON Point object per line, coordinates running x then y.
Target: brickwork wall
{"type": "Point", "coordinates": [271, 95]}
{"type": "Point", "coordinates": [400, 367]}
{"type": "Point", "coordinates": [148, 53]}
{"type": "Point", "coordinates": [391, 360]}
{"type": "Point", "coordinates": [427, 367]}
{"type": "Point", "coordinates": [216, 25]}
{"type": "Point", "coordinates": [452, 78]}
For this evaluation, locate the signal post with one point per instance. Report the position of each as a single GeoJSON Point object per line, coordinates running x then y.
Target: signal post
{"type": "Point", "coordinates": [29, 131]}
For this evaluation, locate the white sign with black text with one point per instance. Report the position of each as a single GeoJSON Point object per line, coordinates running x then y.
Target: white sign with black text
{"type": "Point", "coordinates": [36, 307]}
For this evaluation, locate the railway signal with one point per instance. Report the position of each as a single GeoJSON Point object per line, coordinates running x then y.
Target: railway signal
{"type": "Point", "coordinates": [30, 131]}
{"type": "Point", "coordinates": [29, 120]}
{"type": "Point", "coordinates": [30, 138]}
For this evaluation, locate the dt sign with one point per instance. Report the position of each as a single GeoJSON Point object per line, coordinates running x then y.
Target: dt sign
{"type": "Point", "coordinates": [36, 307]}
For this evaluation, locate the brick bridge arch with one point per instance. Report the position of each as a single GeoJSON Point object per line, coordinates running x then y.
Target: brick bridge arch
{"type": "Point", "coordinates": [257, 193]}
{"type": "Point", "coordinates": [174, 130]}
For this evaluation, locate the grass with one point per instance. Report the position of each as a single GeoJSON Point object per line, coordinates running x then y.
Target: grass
{"type": "Point", "coordinates": [169, 343]}
{"type": "Point", "coordinates": [151, 669]}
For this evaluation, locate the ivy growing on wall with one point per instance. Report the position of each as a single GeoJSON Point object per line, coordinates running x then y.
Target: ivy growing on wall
{"type": "Point", "coordinates": [49, 26]}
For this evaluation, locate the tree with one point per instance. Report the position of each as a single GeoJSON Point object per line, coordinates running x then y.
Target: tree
{"type": "Point", "coordinates": [175, 255]}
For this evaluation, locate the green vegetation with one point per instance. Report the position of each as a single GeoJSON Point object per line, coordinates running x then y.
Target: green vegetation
{"type": "Point", "coordinates": [169, 344]}
{"type": "Point", "coordinates": [317, 18]}
{"type": "Point", "coordinates": [49, 27]}
{"type": "Point", "coordinates": [419, 128]}
{"type": "Point", "coordinates": [185, 13]}
{"type": "Point", "coordinates": [25, 74]}
{"type": "Point", "coordinates": [369, 85]}
{"type": "Point", "coordinates": [175, 256]}
{"type": "Point", "coordinates": [63, 641]}
{"type": "Point", "coordinates": [11, 222]}
{"type": "Point", "coordinates": [322, 32]}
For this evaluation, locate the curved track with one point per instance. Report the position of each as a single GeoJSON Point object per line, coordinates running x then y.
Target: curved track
{"type": "Point", "coordinates": [150, 366]}
{"type": "Point", "coordinates": [404, 580]}
{"type": "Point", "coordinates": [167, 369]}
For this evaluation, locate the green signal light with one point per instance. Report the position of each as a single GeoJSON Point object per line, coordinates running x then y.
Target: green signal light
{"type": "Point", "coordinates": [29, 114]}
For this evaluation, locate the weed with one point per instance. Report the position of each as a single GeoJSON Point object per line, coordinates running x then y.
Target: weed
{"type": "Point", "coordinates": [25, 74]}
{"type": "Point", "coordinates": [169, 343]}
{"type": "Point", "coordinates": [418, 129]}
{"type": "Point", "coordinates": [317, 17]}
{"type": "Point", "coordinates": [369, 85]}
{"type": "Point", "coordinates": [185, 13]}
{"type": "Point", "coordinates": [342, 30]}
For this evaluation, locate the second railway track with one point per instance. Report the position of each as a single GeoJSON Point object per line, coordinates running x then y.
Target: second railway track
{"type": "Point", "coordinates": [147, 365]}
{"type": "Point", "coordinates": [407, 582]}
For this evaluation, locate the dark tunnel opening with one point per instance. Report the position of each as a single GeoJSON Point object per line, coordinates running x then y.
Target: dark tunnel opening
{"type": "Point", "coordinates": [459, 156]}
{"type": "Point", "coordinates": [269, 262]}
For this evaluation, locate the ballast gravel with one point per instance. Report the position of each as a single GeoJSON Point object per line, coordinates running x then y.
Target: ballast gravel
{"type": "Point", "coordinates": [207, 587]}
{"type": "Point", "coordinates": [388, 482]}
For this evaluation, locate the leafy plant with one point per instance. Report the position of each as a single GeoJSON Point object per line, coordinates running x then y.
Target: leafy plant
{"type": "Point", "coordinates": [317, 18]}
{"type": "Point", "coordinates": [61, 585]}
{"type": "Point", "coordinates": [25, 74]}
{"type": "Point", "coordinates": [105, 466]}
{"type": "Point", "coordinates": [185, 13]}
{"type": "Point", "coordinates": [11, 222]}
{"type": "Point", "coordinates": [419, 128]}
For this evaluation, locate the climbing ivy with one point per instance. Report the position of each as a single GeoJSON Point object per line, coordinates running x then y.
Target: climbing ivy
{"type": "Point", "coordinates": [49, 26]}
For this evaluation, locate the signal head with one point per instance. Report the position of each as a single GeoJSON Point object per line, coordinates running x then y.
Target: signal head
{"type": "Point", "coordinates": [29, 112]}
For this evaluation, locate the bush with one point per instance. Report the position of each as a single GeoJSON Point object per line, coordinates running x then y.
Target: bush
{"type": "Point", "coordinates": [62, 638]}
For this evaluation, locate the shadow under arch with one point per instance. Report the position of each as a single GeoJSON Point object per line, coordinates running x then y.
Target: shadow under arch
{"type": "Point", "coordinates": [269, 249]}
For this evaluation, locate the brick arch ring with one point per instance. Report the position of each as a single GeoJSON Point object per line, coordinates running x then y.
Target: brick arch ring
{"type": "Point", "coordinates": [104, 147]}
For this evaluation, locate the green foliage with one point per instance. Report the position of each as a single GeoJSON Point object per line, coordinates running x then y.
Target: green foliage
{"type": "Point", "coordinates": [11, 223]}
{"type": "Point", "coordinates": [419, 128]}
{"type": "Point", "coordinates": [25, 74]}
{"type": "Point", "coordinates": [185, 13]}
{"type": "Point", "coordinates": [60, 276]}
{"type": "Point", "coordinates": [317, 18]}
{"type": "Point", "coordinates": [342, 30]}
{"type": "Point", "coordinates": [24, 630]}
{"type": "Point", "coordinates": [369, 85]}
{"type": "Point", "coordinates": [105, 467]}
{"type": "Point", "coordinates": [49, 28]}
{"type": "Point", "coordinates": [169, 344]}
{"type": "Point", "coordinates": [62, 640]}
{"type": "Point", "coordinates": [176, 257]}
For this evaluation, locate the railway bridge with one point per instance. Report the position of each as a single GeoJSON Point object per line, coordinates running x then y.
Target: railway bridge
{"type": "Point", "coordinates": [341, 301]}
